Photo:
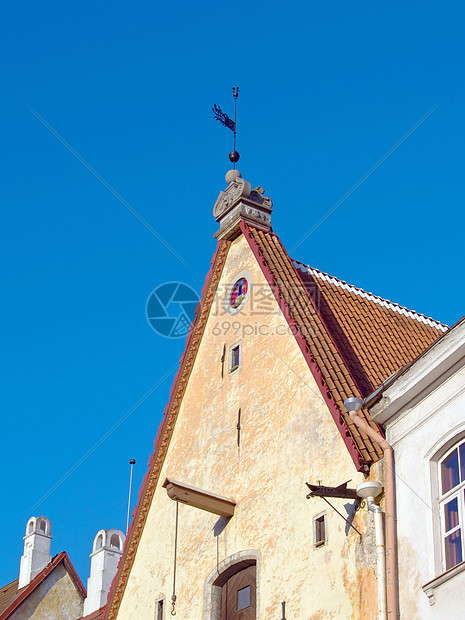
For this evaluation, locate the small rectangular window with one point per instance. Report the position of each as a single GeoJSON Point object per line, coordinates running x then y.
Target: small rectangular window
{"type": "Point", "coordinates": [243, 598]}
{"type": "Point", "coordinates": [319, 530]}
{"type": "Point", "coordinates": [159, 610]}
{"type": "Point", "coordinates": [234, 357]}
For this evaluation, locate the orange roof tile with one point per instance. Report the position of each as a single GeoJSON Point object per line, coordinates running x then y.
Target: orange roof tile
{"type": "Point", "coordinates": [375, 336]}
{"type": "Point", "coordinates": [356, 341]}
{"type": "Point", "coordinates": [7, 594]}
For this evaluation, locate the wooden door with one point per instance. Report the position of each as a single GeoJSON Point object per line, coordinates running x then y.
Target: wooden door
{"type": "Point", "coordinates": [238, 597]}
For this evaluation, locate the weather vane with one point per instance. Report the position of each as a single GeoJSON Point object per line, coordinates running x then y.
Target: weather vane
{"type": "Point", "coordinates": [229, 123]}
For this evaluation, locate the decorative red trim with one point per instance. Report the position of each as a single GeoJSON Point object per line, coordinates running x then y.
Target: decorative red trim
{"type": "Point", "coordinates": [38, 579]}
{"type": "Point", "coordinates": [312, 364]}
{"type": "Point", "coordinates": [164, 432]}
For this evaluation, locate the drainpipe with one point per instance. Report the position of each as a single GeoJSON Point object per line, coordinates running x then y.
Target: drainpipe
{"type": "Point", "coordinates": [368, 491]}
{"type": "Point", "coordinates": [353, 406]}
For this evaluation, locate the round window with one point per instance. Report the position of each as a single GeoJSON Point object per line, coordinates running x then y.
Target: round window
{"type": "Point", "coordinates": [239, 292]}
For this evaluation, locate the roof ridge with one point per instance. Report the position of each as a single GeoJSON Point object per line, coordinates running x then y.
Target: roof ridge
{"type": "Point", "coordinates": [387, 303]}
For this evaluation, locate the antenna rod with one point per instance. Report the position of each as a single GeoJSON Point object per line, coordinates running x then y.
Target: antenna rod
{"type": "Point", "coordinates": [235, 95]}
{"type": "Point", "coordinates": [132, 462]}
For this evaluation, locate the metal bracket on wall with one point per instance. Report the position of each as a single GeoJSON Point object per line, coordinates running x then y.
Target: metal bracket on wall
{"type": "Point", "coordinates": [341, 491]}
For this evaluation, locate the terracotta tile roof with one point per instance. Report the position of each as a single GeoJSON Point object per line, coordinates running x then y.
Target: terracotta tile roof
{"type": "Point", "coordinates": [8, 593]}
{"type": "Point", "coordinates": [372, 398]}
{"type": "Point", "coordinates": [22, 594]}
{"type": "Point", "coordinates": [353, 340]}
{"type": "Point", "coordinates": [314, 339]}
{"type": "Point", "coordinates": [375, 336]}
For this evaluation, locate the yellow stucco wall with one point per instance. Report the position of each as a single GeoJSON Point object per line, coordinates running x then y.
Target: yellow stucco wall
{"type": "Point", "coordinates": [288, 437]}
{"type": "Point", "coordinates": [56, 598]}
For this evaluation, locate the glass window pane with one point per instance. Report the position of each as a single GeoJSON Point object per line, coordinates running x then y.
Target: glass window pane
{"type": "Point", "coordinates": [320, 534]}
{"type": "Point", "coordinates": [450, 472]}
{"type": "Point", "coordinates": [462, 462]}
{"type": "Point", "coordinates": [243, 598]}
{"type": "Point", "coordinates": [451, 514]}
{"type": "Point", "coordinates": [453, 549]}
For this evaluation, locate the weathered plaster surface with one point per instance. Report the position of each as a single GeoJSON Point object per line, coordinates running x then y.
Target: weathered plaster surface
{"type": "Point", "coordinates": [287, 438]}
{"type": "Point", "coordinates": [55, 598]}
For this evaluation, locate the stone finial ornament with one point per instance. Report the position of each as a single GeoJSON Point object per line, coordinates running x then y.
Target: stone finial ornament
{"type": "Point", "coordinates": [239, 202]}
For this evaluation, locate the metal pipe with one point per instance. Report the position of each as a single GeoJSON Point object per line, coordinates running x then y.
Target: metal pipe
{"type": "Point", "coordinates": [131, 463]}
{"type": "Point", "coordinates": [380, 556]}
{"type": "Point", "coordinates": [391, 550]}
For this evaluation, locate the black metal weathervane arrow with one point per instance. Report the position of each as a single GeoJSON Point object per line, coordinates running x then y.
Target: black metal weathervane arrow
{"type": "Point", "coordinates": [229, 123]}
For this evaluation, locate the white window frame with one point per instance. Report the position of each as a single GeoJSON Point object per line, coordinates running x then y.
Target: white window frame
{"type": "Point", "coordinates": [444, 498]}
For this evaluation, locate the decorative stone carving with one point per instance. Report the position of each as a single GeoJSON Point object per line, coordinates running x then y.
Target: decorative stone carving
{"type": "Point", "coordinates": [238, 202]}
{"type": "Point", "coordinates": [237, 189]}
{"type": "Point", "coordinates": [258, 195]}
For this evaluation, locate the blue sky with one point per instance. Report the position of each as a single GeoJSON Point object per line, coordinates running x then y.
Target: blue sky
{"type": "Point", "coordinates": [326, 89]}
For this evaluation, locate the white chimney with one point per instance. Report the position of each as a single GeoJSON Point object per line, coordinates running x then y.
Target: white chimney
{"type": "Point", "coordinates": [36, 549]}
{"type": "Point", "coordinates": [106, 552]}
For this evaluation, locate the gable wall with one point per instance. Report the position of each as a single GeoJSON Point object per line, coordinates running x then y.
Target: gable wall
{"type": "Point", "coordinates": [56, 597]}
{"type": "Point", "coordinates": [287, 438]}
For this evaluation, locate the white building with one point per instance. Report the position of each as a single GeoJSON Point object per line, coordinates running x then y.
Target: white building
{"type": "Point", "coordinates": [422, 409]}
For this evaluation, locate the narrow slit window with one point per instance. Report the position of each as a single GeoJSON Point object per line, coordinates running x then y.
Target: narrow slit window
{"type": "Point", "coordinates": [159, 613]}
{"type": "Point", "coordinates": [234, 357]}
{"type": "Point", "coordinates": [319, 530]}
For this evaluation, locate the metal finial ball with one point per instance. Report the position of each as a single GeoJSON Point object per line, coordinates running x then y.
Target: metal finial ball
{"type": "Point", "coordinates": [234, 156]}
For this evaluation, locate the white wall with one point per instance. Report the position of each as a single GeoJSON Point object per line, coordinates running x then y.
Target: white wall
{"type": "Point", "coordinates": [429, 421]}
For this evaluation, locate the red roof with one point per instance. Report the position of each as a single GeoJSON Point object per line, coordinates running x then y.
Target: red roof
{"type": "Point", "coordinates": [8, 593]}
{"type": "Point", "coordinates": [22, 594]}
{"type": "Point", "coordinates": [351, 340]}
{"type": "Point", "coordinates": [375, 335]}
{"type": "Point", "coordinates": [95, 615]}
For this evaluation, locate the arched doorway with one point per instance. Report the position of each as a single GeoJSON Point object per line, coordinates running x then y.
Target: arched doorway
{"type": "Point", "coordinates": [231, 589]}
{"type": "Point", "coordinates": [238, 595]}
